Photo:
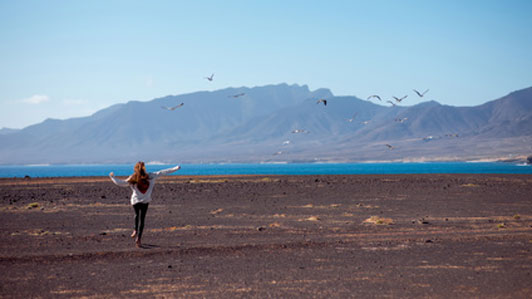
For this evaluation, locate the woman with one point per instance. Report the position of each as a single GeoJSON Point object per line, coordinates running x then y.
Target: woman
{"type": "Point", "coordinates": [141, 183]}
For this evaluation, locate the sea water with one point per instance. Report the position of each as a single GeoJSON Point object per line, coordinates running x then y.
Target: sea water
{"type": "Point", "coordinates": [9, 171]}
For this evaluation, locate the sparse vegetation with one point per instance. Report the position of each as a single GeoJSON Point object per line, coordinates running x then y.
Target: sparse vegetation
{"type": "Point", "coordinates": [469, 185]}
{"type": "Point", "coordinates": [501, 225]}
{"type": "Point", "coordinates": [517, 217]}
{"type": "Point", "coordinates": [379, 220]}
{"type": "Point", "coordinates": [33, 205]}
{"type": "Point", "coordinates": [217, 211]}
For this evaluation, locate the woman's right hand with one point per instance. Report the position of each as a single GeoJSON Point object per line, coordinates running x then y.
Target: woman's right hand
{"type": "Point", "coordinates": [111, 174]}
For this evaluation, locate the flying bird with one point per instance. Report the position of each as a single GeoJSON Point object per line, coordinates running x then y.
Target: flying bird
{"type": "Point", "coordinates": [400, 99]}
{"type": "Point", "coordinates": [296, 131]}
{"type": "Point", "coordinates": [324, 101]}
{"type": "Point", "coordinates": [374, 96]}
{"type": "Point", "coordinates": [401, 119]}
{"type": "Point", "coordinates": [286, 142]}
{"type": "Point", "coordinates": [390, 146]}
{"type": "Point", "coordinates": [420, 94]}
{"type": "Point", "coordinates": [393, 104]}
{"type": "Point", "coordinates": [352, 118]}
{"type": "Point", "coordinates": [209, 78]}
{"type": "Point", "coordinates": [172, 108]}
{"type": "Point", "coordinates": [237, 95]}
{"type": "Point", "coordinates": [365, 122]}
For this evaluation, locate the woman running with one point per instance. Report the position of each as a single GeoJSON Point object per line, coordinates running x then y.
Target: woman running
{"type": "Point", "coordinates": [141, 183]}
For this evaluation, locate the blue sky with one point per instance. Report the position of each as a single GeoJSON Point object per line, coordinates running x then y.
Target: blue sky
{"type": "Point", "coordinates": [61, 59]}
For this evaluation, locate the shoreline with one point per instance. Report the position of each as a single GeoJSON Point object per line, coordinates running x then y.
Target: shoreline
{"type": "Point", "coordinates": [4, 181]}
{"type": "Point", "coordinates": [452, 159]}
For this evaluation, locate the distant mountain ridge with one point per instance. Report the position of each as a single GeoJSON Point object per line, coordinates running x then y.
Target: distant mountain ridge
{"type": "Point", "coordinates": [256, 125]}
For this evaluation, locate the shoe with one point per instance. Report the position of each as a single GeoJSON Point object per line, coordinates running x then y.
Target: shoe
{"type": "Point", "coordinates": [134, 234]}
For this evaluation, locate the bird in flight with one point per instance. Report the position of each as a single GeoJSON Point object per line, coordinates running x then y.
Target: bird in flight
{"type": "Point", "coordinates": [209, 78]}
{"type": "Point", "coordinates": [420, 94]}
{"type": "Point", "coordinates": [324, 101]}
{"type": "Point", "coordinates": [296, 131]}
{"type": "Point", "coordinates": [401, 119]}
{"type": "Point", "coordinates": [375, 96]}
{"type": "Point", "coordinates": [393, 104]}
{"type": "Point", "coordinates": [237, 95]}
{"type": "Point", "coordinates": [286, 142]}
{"type": "Point", "coordinates": [365, 122]}
{"type": "Point", "coordinates": [352, 118]}
{"type": "Point", "coordinates": [390, 146]}
{"type": "Point", "coordinates": [172, 108]}
{"type": "Point", "coordinates": [400, 99]}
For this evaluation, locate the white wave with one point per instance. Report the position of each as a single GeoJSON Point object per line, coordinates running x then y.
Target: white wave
{"type": "Point", "coordinates": [155, 163]}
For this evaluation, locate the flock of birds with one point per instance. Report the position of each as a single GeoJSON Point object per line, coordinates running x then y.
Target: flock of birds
{"type": "Point", "coordinates": [210, 78]}
{"type": "Point", "coordinates": [402, 120]}
{"type": "Point", "coordinates": [323, 101]}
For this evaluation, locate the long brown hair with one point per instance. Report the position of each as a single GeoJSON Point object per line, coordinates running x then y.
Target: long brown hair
{"type": "Point", "coordinates": [139, 177]}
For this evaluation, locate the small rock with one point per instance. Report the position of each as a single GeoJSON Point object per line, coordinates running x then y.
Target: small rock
{"type": "Point", "coordinates": [169, 266]}
{"type": "Point", "coordinates": [428, 241]}
{"type": "Point", "coordinates": [261, 228]}
{"type": "Point", "coordinates": [422, 221]}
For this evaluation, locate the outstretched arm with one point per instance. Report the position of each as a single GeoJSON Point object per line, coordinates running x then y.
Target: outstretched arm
{"type": "Point", "coordinates": [157, 174]}
{"type": "Point", "coordinates": [118, 181]}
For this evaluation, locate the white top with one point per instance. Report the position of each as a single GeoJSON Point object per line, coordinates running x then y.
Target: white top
{"type": "Point", "coordinates": [138, 196]}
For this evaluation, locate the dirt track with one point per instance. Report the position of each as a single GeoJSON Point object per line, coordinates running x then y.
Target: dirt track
{"type": "Point", "coordinates": [270, 236]}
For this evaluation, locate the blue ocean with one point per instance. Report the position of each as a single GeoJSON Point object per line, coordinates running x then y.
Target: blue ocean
{"type": "Point", "coordinates": [269, 169]}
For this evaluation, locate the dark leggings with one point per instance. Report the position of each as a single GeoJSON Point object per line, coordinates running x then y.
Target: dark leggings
{"type": "Point", "coordinates": [140, 213]}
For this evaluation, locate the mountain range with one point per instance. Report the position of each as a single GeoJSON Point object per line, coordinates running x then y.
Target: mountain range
{"type": "Point", "coordinates": [277, 123]}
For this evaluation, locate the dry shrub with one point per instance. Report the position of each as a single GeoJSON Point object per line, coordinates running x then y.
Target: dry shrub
{"type": "Point", "coordinates": [379, 220]}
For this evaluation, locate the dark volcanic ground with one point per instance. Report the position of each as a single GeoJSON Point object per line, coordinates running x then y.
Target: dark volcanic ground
{"type": "Point", "coordinates": [270, 236]}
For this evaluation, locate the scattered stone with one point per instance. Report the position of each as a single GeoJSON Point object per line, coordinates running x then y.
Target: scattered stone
{"type": "Point", "coordinates": [422, 221]}
{"type": "Point", "coordinates": [261, 228]}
